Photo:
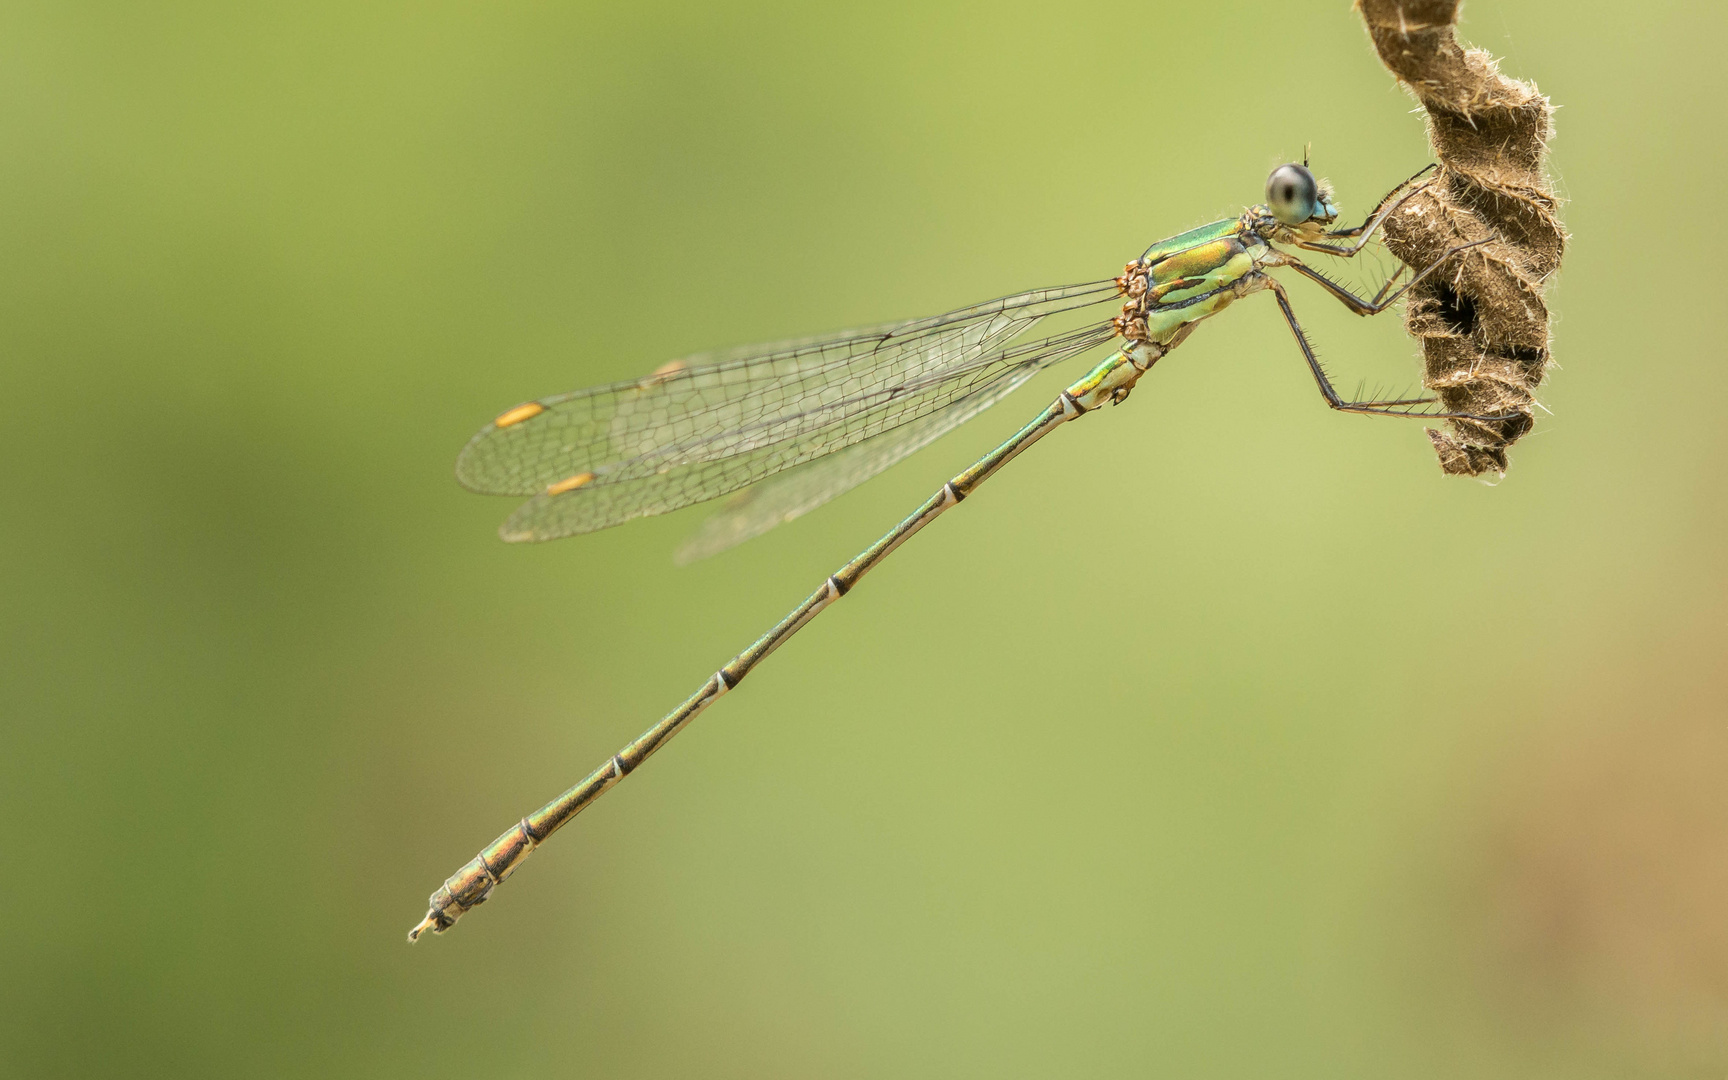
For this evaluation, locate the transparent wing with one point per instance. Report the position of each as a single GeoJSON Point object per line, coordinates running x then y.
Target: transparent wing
{"type": "Point", "coordinates": [588, 502]}
{"type": "Point", "coordinates": [708, 407]}
{"type": "Point", "coordinates": [797, 491]}
{"type": "Point", "coordinates": [695, 431]}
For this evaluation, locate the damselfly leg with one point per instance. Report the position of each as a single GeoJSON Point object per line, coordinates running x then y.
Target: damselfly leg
{"type": "Point", "coordinates": [1395, 198]}
{"type": "Point", "coordinates": [1387, 407]}
{"type": "Point", "coordinates": [1384, 298]}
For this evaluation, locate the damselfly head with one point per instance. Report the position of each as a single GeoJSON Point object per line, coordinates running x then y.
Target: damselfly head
{"type": "Point", "coordinates": [1294, 197]}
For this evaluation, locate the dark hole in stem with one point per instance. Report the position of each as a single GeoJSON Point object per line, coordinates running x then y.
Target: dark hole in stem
{"type": "Point", "coordinates": [1457, 310]}
{"type": "Point", "coordinates": [1530, 361]}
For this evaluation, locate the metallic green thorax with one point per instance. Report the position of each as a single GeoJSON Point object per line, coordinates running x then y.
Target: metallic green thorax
{"type": "Point", "coordinates": [1195, 275]}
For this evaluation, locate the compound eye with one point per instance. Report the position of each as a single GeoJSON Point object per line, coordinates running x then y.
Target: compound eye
{"type": "Point", "coordinates": [1291, 194]}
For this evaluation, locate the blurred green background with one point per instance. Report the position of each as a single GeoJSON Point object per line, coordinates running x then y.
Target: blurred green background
{"type": "Point", "coordinates": [1220, 737]}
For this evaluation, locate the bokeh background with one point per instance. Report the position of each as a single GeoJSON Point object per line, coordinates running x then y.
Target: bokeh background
{"type": "Point", "coordinates": [1221, 736]}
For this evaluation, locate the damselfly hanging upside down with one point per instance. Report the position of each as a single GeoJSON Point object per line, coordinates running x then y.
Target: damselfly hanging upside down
{"type": "Point", "coordinates": [822, 415]}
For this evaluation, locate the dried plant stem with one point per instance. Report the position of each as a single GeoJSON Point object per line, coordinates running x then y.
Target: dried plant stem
{"type": "Point", "coordinates": [1484, 328]}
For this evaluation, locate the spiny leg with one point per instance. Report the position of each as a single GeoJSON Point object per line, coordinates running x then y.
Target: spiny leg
{"type": "Point", "coordinates": [1388, 407]}
{"type": "Point", "coordinates": [1366, 230]}
{"type": "Point", "coordinates": [1386, 202]}
{"type": "Point", "coordinates": [1382, 299]}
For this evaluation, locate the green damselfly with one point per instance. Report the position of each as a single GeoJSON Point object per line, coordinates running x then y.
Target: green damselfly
{"type": "Point", "coordinates": [797, 423]}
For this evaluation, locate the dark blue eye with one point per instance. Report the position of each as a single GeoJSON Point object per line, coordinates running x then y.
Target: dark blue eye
{"type": "Point", "coordinates": [1291, 194]}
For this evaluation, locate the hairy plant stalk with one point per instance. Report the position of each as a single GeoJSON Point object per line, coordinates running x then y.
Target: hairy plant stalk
{"type": "Point", "coordinates": [1484, 328]}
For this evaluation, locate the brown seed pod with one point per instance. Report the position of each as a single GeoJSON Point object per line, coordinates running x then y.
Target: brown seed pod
{"type": "Point", "coordinates": [1483, 324]}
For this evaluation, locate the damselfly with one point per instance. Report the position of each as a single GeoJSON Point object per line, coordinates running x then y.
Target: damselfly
{"type": "Point", "coordinates": [804, 421]}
